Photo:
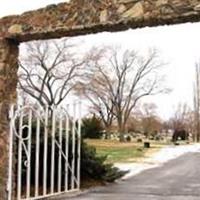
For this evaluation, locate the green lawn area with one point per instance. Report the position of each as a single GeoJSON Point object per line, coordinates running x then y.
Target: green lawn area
{"type": "Point", "coordinates": [123, 152]}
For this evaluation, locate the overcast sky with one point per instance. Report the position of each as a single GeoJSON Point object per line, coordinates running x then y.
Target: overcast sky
{"type": "Point", "coordinates": [178, 45]}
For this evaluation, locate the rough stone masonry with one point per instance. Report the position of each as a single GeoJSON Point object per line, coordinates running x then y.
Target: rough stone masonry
{"type": "Point", "coordinates": [91, 16]}
{"type": "Point", "coordinates": [70, 19]}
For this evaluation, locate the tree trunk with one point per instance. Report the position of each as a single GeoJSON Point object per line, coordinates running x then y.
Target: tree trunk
{"type": "Point", "coordinates": [197, 102]}
{"type": "Point", "coordinates": [121, 130]}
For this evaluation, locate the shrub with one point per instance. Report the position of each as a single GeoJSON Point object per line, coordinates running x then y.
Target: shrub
{"type": "Point", "coordinates": [93, 166]}
{"type": "Point", "coordinates": [139, 140]}
{"type": "Point", "coordinates": [182, 134]}
{"type": "Point", "coordinates": [92, 128]}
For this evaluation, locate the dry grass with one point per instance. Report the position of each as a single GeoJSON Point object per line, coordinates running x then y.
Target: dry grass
{"type": "Point", "coordinates": [123, 152]}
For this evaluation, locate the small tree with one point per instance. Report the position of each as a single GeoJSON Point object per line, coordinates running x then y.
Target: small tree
{"type": "Point", "coordinates": [92, 127]}
{"type": "Point", "coordinates": [149, 120]}
{"type": "Point", "coordinates": [181, 117]}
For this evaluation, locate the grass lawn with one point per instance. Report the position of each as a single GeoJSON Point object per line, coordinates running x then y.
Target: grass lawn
{"type": "Point", "coordinates": [123, 152]}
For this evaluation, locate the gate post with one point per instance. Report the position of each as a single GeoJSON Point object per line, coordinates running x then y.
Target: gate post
{"type": "Point", "coordinates": [8, 84]}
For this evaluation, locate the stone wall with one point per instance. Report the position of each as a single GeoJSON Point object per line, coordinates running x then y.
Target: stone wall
{"type": "Point", "coordinates": [8, 82]}
{"type": "Point", "coordinates": [90, 16]}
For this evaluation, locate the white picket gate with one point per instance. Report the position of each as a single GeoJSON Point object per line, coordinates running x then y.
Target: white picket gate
{"type": "Point", "coordinates": [44, 154]}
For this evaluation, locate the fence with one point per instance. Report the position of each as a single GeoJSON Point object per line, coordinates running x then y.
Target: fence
{"type": "Point", "coordinates": [44, 152]}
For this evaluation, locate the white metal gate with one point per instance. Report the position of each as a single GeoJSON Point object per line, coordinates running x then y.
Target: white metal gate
{"type": "Point", "coordinates": [45, 147]}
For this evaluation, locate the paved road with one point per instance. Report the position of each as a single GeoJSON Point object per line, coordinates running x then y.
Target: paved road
{"type": "Point", "coordinates": [179, 179]}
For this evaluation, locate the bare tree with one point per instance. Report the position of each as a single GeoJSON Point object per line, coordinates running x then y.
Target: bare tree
{"type": "Point", "coordinates": [48, 71]}
{"type": "Point", "coordinates": [180, 117]}
{"type": "Point", "coordinates": [117, 80]}
{"type": "Point", "coordinates": [134, 121]}
{"type": "Point", "coordinates": [149, 119]}
{"type": "Point", "coordinates": [102, 105]}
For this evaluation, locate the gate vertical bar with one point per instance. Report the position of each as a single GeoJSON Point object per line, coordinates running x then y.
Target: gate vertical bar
{"type": "Point", "coordinates": [28, 178]}
{"type": "Point", "coordinates": [37, 157]}
{"type": "Point", "coordinates": [79, 146]}
{"type": "Point", "coordinates": [60, 155]}
{"type": "Point", "coordinates": [66, 151]}
{"type": "Point", "coordinates": [19, 168]}
{"type": "Point", "coordinates": [10, 174]}
{"type": "Point", "coordinates": [73, 146]}
{"type": "Point", "coordinates": [45, 151]}
{"type": "Point", "coordinates": [53, 150]}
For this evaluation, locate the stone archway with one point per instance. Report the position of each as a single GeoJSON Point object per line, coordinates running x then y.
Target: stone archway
{"type": "Point", "coordinates": [71, 19]}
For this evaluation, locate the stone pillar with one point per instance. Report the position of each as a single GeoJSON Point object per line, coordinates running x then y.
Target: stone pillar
{"type": "Point", "coordinates": [8, 83]}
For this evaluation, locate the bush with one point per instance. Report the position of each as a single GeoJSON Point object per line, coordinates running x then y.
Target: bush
{"type": "Point", "coordinates": [182, 134]}
{"type": "Point", "coordinates": [93, 166]}
{"type": "Point", "coordinates": [92, 128]}
{"type": "Point", "coordinates": [139, 140]}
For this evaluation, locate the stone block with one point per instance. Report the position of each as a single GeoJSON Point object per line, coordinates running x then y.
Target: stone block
{"type": "Point", "coordinates": [136, 11]}
{"type": "Point", "coordinates": [103, 16]}
{"type": "Point", "coordinates": [16, 28]}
